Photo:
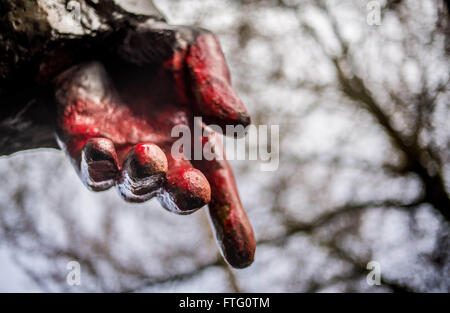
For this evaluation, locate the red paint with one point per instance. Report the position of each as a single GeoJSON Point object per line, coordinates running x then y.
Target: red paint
{"type": "Point", "coordinates": [186, 187]}
{"type": "Point", "coordinates": [233, 230]}
{"type": "Point", "coordinates": [211, 84]}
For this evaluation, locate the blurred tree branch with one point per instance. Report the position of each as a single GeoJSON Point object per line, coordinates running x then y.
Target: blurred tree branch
{"type": "Point", "coordinates": [309, 228]}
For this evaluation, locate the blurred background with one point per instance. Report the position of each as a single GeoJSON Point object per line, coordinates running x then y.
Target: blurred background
{"type": "Point", "coordinates": [364, 172]}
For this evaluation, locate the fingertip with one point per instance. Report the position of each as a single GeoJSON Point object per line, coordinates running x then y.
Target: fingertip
{"type": "Point", "coordinates": [234, 234]}
{"type": "Point", "coordinates": [146, 159]}
{"type": "Point", "coordinates": [231, 226]}
{"type": "Point", "coordinates": [240, 257]}
{"type": "Point", "coordinates": [98, 166]}
{"type": "Point", "coordinates": [219, 104]}
{"type": "Point", "coordinates": [186, 191]}
{"type": "Point", "coordinates": [209, 77]}
{"type": "Point", "coordinates": [142, 173]}
{"type": "Point", "coordinates": [240, 260]}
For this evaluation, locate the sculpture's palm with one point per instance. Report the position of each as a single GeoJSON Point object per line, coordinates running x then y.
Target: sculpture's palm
{"type": "Point", "coordinates": [115, 121]}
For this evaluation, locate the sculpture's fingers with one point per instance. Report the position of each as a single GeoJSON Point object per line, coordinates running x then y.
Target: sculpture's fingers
{"type": "Point", "coordinates": [98, 164]}
{"type": "Point", "coordinates": [233, 231]}
{"type": "Point", "coordinates": [143, 173]}
{"type": "Point", "coordinates": [186, 188]}
{"type": "Point", "coordinates": [82, 93]}
{"type": "Point", "coordinates": [209, 81]}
